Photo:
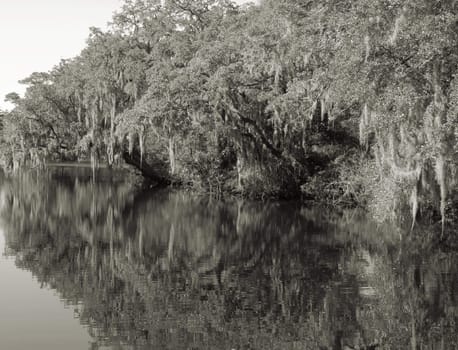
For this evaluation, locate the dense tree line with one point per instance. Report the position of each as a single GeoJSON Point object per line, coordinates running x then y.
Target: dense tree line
{"type": "Point", "coordinates": [266, 100]}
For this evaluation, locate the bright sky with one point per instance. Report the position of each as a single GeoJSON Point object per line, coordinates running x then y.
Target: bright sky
{"type": "Point", "coordinates": [36, 34]}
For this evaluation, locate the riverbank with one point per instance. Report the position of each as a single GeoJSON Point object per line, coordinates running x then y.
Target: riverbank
{"type": "Point", "coordinates": [304, 106]}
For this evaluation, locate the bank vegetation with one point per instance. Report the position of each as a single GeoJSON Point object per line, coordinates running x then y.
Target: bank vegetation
{"type": "Point", "coordinates": [352, 103]}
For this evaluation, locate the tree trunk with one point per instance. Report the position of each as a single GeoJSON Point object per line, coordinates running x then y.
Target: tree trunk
{"type": "Point", "coordinates": [156, 172]}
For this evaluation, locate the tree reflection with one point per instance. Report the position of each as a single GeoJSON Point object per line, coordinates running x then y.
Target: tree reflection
{"type": "Point", "coordinates": [176, 271]}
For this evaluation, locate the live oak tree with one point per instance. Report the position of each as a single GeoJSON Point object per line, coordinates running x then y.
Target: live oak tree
{"type": "Point", "coordinates": [260, 99]}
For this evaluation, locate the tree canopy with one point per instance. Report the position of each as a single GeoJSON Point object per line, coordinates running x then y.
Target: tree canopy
{"type": "Point", "coordinates": [265, 100]}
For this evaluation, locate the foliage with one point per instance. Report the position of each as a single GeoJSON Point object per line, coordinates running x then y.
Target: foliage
{"type": "Point", "coordinates": [262, 99]}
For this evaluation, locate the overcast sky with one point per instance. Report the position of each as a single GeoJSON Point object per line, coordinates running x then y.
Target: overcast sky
{"type": "Point", "coordinates": [36, 34]}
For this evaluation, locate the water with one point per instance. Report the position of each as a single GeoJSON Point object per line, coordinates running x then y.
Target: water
{"type": "Point", "coordinates": [101, 266]}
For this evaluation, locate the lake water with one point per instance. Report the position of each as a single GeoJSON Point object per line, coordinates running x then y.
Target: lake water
{"type": "Point", "coordinates": [98, 265]}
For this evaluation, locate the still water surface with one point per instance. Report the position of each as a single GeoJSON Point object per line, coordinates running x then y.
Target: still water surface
{"type": "Point", "coordinates": [100, 266]}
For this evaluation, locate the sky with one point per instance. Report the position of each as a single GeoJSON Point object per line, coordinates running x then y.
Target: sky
{"type": "Point", "coordinates": [36, 34]}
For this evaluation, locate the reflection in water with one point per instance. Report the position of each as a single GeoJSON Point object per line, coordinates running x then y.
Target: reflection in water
{"type": "Point", "coordinates": [166, 270]}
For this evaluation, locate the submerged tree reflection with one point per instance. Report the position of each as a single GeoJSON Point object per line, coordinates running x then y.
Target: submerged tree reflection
{"type": "Point", "coordinates": [176, 271]}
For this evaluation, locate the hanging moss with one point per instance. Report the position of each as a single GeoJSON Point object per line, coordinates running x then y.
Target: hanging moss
{"type": "Point", "coordinates": [130, 140]}
{"type": "Point", "coordinates": [397, 25]}
{"type": "Point", "coordinates": [440, 169]}
{"type": "Point", "coordinates": [367, 45]}
{"type": "Point", "coordinates": [141, 144]}
{"type": "Point", "coordinates": [364, 124]}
